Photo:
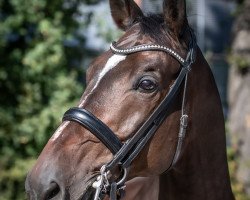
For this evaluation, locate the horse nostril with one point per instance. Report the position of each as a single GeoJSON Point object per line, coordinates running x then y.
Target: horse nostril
{"type": "Point", "coordinates": [52, 191]}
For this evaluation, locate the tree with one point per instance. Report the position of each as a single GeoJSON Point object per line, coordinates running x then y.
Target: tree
{"type": "Point", "coordinates": [239, 94]}
{"type": "Point", "coordinates": [37, 82]}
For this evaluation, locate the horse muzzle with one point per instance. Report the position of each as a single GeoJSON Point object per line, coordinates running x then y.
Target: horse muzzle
{"type": "Point", "coordinates": [53, 189]}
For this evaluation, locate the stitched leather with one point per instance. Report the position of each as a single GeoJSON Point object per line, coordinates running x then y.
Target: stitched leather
{"type": "Point", "coordinates": [95, 126]}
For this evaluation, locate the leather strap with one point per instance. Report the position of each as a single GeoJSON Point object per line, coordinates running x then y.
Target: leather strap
{"type": "Point", "coordinates": [95, 126]}
{"type": "Point", "coordinates": [132, 147]}
{"type": "Point", "coordinates": [113, 191]}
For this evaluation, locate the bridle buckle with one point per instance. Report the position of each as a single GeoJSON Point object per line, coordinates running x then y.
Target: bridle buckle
{"type": "Point", "coordinates": [101, 183]}
{"type": "Point", "coordinates": [103, 186]}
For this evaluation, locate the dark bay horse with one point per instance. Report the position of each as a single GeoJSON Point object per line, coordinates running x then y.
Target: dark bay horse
{"type": "Point", "coordinates": [149, 124]}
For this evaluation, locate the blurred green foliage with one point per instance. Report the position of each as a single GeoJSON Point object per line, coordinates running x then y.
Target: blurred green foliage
{"type": "Point", "coordinates": [237, 187]}
{"type": "Point", "coordinates": [241, 62]}
{"type": "Point", "coordinates": [37, 83]}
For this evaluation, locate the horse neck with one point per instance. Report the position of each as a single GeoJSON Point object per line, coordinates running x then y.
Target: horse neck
{"type": "Point", "coordinates": [202, 171]}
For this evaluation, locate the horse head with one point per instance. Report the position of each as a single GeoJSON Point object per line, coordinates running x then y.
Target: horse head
{"type": "Point", "coordinates": [127, 123]}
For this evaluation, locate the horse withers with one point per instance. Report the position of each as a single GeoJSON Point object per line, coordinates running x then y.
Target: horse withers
{"type": "Point", "coordinates": [149, 124]}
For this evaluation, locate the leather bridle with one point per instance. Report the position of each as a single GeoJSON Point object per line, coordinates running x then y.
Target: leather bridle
{"type": "Point", "coordinates": [125, 153]}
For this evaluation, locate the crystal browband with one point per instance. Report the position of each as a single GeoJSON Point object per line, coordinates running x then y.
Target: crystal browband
{"type": "Point", "coordinates": [150, 47]}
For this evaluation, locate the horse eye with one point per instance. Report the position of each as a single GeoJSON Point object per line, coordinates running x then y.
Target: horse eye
{"type": "Point", "coordinates": [147, 85]}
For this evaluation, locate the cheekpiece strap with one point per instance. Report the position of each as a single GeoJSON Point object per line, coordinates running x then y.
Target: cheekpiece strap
{"type": "Point", "coordinates": [113, 191]}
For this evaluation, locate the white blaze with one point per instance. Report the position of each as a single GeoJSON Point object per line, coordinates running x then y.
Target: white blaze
{"type": "Point", "coordinates": [59, 130]}
{"type": "Point", "coordinates": [111, 63]}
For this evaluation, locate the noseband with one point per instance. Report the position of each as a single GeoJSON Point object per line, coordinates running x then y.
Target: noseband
{"type": "Point", "coordinates": [125, 153]}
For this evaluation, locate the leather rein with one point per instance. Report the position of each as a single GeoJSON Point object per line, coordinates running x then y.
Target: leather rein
{"type": "Point", "coordinates": [125, 153]}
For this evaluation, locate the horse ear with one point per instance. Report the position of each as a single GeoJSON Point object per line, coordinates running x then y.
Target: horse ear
{"type": "Point", "coordinates": [175, 16]}
{"type": "Point", "coordinates": [124, 12]}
